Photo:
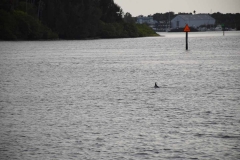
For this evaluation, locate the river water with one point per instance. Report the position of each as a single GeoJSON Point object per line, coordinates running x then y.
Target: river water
{"type": "Point", "coordinates": [94, 99]}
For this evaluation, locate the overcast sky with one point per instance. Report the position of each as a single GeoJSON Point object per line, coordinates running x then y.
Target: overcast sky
{"type": "Point", "coordinates": [147, 7]}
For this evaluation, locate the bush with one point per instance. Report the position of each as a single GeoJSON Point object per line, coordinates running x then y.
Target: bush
{"type": "Point", "coordinates": [7, 34]}
{"type": "Point", "coordinates": [131, 29]}
{"type": "Point", "coordinates": [125, 30]}
{"type": "Point", "coordinates": [145, 30]}
{"type": "Point", "coordinates": [28, 27]}
{"type": "Point", "coordinates": [108, 30]}
{"type": "Point", "coordinates": [7, 26]}
{"type": "Point", "coordinates": [19, 25]}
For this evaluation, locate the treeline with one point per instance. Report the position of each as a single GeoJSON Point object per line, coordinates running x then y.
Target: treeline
{"type": "Point", "coordinates": [229, 20]}
{"type": "Point", "coordinates": [65, 19]}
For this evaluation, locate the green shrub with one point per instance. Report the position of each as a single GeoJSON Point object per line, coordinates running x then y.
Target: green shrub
{"type": "Point", "coordinates": [19, 25]}
{"type": "Point", "coordinates": [7, 26]}
{"type": "Point", "coordinates": [131, 29]}
{"type": "Point", "coordinates": [145, 30]}
{"type": "Point", "coordinates": [108, 30]}
{"type": "Point", "coordinates": [125, 30]}
{"type": "Point", "coordinates": [7, 34]}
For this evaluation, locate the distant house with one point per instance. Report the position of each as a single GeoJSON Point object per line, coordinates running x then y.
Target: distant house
{"type": "Point", "coordinates": [192, 20]}
{"type": "Point", "coordinates": [147, 20]}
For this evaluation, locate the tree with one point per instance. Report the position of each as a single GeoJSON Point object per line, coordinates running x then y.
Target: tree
{"type": "Point", "coordinates": [111, 12]}
{"type": "Point", "coordinates": [75, 19]}
{"type": "Point", "coordinates": [128, 18]}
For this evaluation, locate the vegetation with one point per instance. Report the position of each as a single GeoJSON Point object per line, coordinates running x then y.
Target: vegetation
{"type": "Point", "coordinates": [64, 19]}
{"type": "Point", "coordinates": [19, 25]}
{"type": "Point", "coordinates": [229, 20]}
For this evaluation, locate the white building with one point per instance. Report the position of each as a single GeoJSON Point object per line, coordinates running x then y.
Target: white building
{"type": "Point", "coordinates": [192, 20]}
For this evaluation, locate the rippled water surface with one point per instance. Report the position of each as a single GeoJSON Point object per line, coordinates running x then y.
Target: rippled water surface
{"type": "Point", "coordinates": [95, 99]}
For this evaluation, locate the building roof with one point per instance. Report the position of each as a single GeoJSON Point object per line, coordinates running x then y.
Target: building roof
{"type": "Point", "coordinates": [196, 17]}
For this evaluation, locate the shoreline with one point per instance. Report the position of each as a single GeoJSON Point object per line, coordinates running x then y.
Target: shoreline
{"type": "Point", "coordinates": [60, 39]}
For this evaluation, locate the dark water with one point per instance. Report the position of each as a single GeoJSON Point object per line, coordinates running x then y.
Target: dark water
{"type": "Point", "coordinates": [95, 99]}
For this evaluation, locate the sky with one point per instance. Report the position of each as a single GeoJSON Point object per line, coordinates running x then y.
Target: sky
{"type": "Point", "coordinates": [150, 7]}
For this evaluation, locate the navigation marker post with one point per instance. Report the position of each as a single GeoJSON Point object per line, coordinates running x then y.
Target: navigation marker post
{"type": "Point", "coordinates": [186, 29]}
{"type": "Point", "coordinates": [223, 28]}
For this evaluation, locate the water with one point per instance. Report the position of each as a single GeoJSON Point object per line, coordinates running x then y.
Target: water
{"type": "Point", "coordinates": [95, 99]}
